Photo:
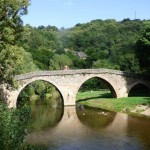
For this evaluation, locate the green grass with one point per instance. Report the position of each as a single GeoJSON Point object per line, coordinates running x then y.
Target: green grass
{"type": "Point", "coordinates": [97, 99]}
{"type": "Point", "coordinates": [93, 95]}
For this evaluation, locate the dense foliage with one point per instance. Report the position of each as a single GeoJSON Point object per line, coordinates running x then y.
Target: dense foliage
{"type": "Point", "coordinates": [108, 44]}
{"type": "Point", "coordinates": [13, 123]}
{"type": "Point", "coordinates": [39, 92]}
{"type": "Point", "coordinates": [13, 58]}
{"type": "Point", "coordinates": [11, 24]}
{"type": "Point", "coordinates": [143, 50]}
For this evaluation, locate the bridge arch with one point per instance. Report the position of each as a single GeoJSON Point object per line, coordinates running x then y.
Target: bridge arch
{"type": "Point", "coordinates": [104, 80]}
{"type": "Point", "coordinates": [23, 86]}
{"type": "Point", "coordinates": [140, 85]}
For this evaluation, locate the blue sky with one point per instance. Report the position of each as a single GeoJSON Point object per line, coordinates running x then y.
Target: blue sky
{"type": "Point", "coordinates": [67, 13]}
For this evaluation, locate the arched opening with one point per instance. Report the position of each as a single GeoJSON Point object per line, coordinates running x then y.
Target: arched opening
{"type": "Point", "coordinates": [92, 92]}
{"type": "Point", "coordinates": [95, 88]}
{"type": "Point", "coordinates": [139, 90]}
{"type": "Point", "coordinates": [45, 101]}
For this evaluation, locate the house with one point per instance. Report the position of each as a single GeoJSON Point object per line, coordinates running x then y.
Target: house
{"type": "Point", "coordinates": [80, 54]}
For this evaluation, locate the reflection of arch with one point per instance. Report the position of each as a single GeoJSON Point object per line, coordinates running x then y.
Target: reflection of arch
{"type": "Point", "coordinates": [109, 85]}
{"type": "Point", "coordinates": [27, 84]}
{"type": "Point", "coordinates": [139, 89]}
{"type": "Point", "coordinates": [94, 117]}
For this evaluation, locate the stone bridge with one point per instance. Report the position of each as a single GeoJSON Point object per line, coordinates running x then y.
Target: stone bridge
{"type": "Point", "coordinates": [68, 83]}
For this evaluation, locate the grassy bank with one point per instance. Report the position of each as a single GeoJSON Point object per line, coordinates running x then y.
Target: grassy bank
{"type": "Point", "coordinates": [96, 99]}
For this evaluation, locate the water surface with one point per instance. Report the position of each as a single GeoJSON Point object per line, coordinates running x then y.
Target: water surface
{"type": "Point", "coordinates": [85, 128]}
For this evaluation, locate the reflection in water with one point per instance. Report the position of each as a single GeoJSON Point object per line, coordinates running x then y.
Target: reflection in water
{"type": "Point", "coordinates": [140, 128]}
{"type": "Point", "coordinates": [43, 116]}
{"type": "Point", "coordinates": [97, 118]}
{"type": "Point", "coordinates": [119, 125]}
{"type": "Point", "coordinates": [93, 129]}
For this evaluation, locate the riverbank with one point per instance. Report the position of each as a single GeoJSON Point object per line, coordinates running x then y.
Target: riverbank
{"type": "Point", "coordinates": [132, 105]}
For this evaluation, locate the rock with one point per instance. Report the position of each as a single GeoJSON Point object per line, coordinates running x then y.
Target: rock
{"type": "Point", "coordinates": [146, 112]}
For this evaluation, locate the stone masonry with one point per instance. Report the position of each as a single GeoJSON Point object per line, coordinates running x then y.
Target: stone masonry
{"type": "Point", "coordinates": [68, 82]}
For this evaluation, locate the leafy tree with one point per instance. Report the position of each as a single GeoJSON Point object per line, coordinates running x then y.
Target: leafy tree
{"type": "Point", "coordinates": [11, 24]}
{"type": "Point", "coordinates": [93, 84]}
{"type": "Point", "coordinates": [39, 92]}
{"type": "Point", "coordinates": [13, 125]}
{"type": "Point", "coordinates": [14, 60]}
{"type": "Point", "coordinates": [41, 58]}
{"type": "Point", "coordinates": [52, 28]}
{"type": "Point", "coordinates": [104, 63]}
{"type": "Point", "coordinates": [143, 50]}
{"type": "Point", "coordinates": [58, 62]}
{"type": "Point", "coordinates": [129, 63]}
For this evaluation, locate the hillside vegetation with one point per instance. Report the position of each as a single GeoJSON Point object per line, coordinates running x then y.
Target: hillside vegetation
{"type": "Point", "coordinates": [107, 44]}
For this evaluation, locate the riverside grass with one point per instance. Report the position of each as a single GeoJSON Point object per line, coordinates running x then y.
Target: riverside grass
{"type": "Point", "coordinates": [103, 99]}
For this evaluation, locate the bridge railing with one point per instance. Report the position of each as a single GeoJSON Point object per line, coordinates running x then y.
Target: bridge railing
{"type": "Point", "coordinates": [71, 72]}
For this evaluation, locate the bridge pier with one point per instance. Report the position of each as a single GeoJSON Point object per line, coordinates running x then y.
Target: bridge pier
{"type": "Point", "coordinates": [69, 99]}
{"type": "Point", "coordinates": [122, 92]}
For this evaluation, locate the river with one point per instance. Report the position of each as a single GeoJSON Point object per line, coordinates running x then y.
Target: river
{"type": "Point", "coordinates": [84, 128]}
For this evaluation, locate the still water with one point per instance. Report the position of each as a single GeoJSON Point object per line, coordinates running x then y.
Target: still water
{"type": "Point", "coordinates": [85, 128]}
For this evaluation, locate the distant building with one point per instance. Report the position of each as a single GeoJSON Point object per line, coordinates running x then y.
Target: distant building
{"type": "Point", "coordinates": [80, 54]}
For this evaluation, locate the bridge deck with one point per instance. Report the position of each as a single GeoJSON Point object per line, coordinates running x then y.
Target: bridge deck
{"type": "Point", "coordinates": [71, 72]}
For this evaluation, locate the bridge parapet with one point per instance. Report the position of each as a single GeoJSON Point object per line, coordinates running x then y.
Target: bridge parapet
{"type": "Point", "coordinates": [72, 72]}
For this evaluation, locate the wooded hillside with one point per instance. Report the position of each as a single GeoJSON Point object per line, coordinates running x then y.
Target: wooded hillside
{"type": "Point", "coordinates": [107, 44]}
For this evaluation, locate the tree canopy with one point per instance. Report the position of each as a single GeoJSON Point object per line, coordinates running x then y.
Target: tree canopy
{"type": "Point", "coordinates": [143, 50]}
{"type": "Point", "coordinates": [13, 58]}
{"type": "Point", "coordinates": [11, 24]}
{"type": "Point", "coordinates": [107, 43]}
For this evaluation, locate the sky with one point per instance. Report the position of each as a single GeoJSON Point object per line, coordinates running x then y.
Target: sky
{"type": "Point", "coordinates": [67, 13]}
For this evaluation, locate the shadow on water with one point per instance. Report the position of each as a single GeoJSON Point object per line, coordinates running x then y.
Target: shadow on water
{"type": "Point", "coordinates": [95, 118]}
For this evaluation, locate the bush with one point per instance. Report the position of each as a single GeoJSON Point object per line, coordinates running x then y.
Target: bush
{"type": "Point", "coordinates": [13, 127]}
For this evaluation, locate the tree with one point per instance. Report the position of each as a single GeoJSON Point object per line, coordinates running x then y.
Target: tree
{"type": "Point", "coordinates": [104, 63]}
{"type": "Point", "coordinates": [129, 63]}
{"type": "Point", "coordinates": [13, 127]}
{"type": "Point", "coordinates": [11, 24]}
{"type": "Point", "coordinates": [143, 50]}
{"type": "Point", "coordinates": [14, 60]}
{"type": "Point", "coordinates": [58, 62]}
